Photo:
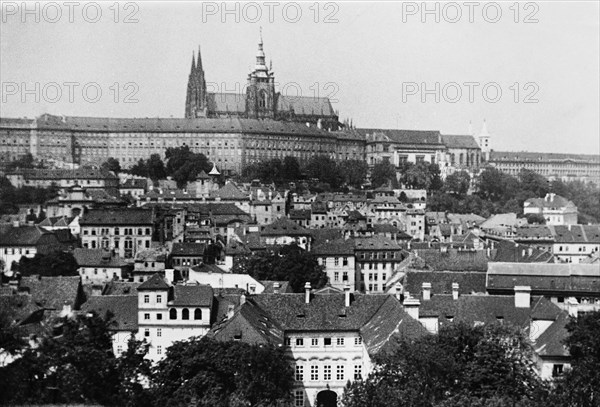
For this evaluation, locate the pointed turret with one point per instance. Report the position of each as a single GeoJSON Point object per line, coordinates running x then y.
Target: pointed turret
{"type": "Point", "coordinates": [214, 171]}
{"type": "Point", "coordinates": [199, 63]}
{"type": "Point", "coordinates": [471, 128]}
{"type": "Point", "coordinates": [193, 64]}
{"type": "Point", "coordinates": [484, 140]}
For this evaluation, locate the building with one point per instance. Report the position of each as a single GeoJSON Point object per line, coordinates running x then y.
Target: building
{"type": "Point", "coordinates": [169, 313]}
{"type": "Point", "coordinates": [337, 258]}
{"type": "Point", "coordinates": [331, 337]}
{"type": "Point", "coordinates": [125, 231]}
{"type": "Point", "coordinates": [87, 178]}
{"type": "Point", "coordinates": [575, 243]}
{"type": "Point", "coordinates": [283, 232]}
{"type": "Point", "coordinates": [555, 209]}
{"type": "Point", "coordinates": [377, 258]}
{"type": "Point", "coordinates": [26, 241]}
{"type": "Point", "coordinates": [98, 266]}
{"type": "Point", "coordinates": [565, 167]}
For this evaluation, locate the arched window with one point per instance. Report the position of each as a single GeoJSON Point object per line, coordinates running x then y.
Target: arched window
{"type": "Point", "coordinates": [172, 313]}
{"type": "Point", "coordinates": [452, 158]}
{"type": "Point", "coordinates": [460, 158]}
{"type": "Point", "coordinates": [197, 313]}
{"type": "Point", "coordinates": [262, 99]}
{"type": "Point", "coordinates": [185, 314]}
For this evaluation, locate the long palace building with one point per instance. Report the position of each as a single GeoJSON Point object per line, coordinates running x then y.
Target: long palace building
{"type": "Point", "coordinates": [234, 130]}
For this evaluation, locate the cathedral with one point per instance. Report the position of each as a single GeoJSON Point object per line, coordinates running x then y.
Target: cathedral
{"type": "Point", "coordinates": [261, 100]}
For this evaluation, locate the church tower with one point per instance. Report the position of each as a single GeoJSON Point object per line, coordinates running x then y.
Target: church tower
{"type": "Point", "coordinates": [260, 93]}
{"type": "Point", "coordinates": [196, 100]}
{"type": "Point", "coordinates": [484, 141]}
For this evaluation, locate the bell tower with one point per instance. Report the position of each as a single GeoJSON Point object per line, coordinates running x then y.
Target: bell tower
{"type": "Point", "coordinates": [260, 91]}
{"type": "Point", "coordinates": [196, 101]}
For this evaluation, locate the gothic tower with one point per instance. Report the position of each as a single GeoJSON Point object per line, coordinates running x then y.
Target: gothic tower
{"type": "Point", "coordinates": [196, 100]}
{"type": "Point", "coordinates": [260, 92]}
{"type": "Point", "coordinates": [484, 141]}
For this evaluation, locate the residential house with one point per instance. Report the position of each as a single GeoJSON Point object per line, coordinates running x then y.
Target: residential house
{"type": "Point", "coordinates": [575, 243]}
{"type": "Point", "coordinates": [337, 258]}
{"type": "Point", "coordinates": [555, 209]}
{"type": "Point", "coordinates": [18, 240]}
{"type": "Point", "coordinates": [99, 266]}
{"type": "Point", "coordinates": [218, 278]}
{"type": "Point", "coordinates": [283, 232]}
{"type": "Point", "coordinates": [377, 258]}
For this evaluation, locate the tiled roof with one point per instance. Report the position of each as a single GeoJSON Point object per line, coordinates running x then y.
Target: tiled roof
{"type": "Point", "coordinates": [52, 292]}
{"type": "Point", "coordinates": [200, 295]}
{"type": "Point", "coordinates": [551, 341]}
{"type": "Point", "coordinates": [230, 192]}
{"type": "Point", "coordinates": [226, 102]}
{"type": "Point", "coordinates": [188, 249]}
{"type": "Point", "coordinates": [325, 234]}
{"type": "Point", "coordinates": [431, 137]}
{"type": "Point", "coordinates": [305, 105]}
{"type": "Point", "coordinates": [135, 183]}
{"type": "Point", "coordinates": [335, 247]}
{"type": "Point", "coordinates": [541, 157]}
{"type": "Point", "coordinates": [18, 307]}
{"type": "Point", "coordinates": [376, 242]}
{"type": "Point", "coordinates": [97, 258]}
{"type": "Point", "coordinates": [284, 286]}
{"type": "Point", "coordinates": [534, 232]}
{"type": "Point", "coordinates": [550, 201]}
{"type": "Point", "coordinates": [576, 233]}
{"type": "Point", "coordinates": [452, 141]}
{"type": "Point", "coordinates": [129, 216]}
{"type": "Point", "coordinates": [58, 174]}
{"type": "Point", "coordinates": [284, 227]}
{"type": "Point", "coordinates": [120, 288]}
{"type": "Point", "coordinates": [24, 235]}
{"type": "Point", "coordinates": [156, 282]}
{"type": "Point", "coordinates": [508, 251]}
{"type": "Point", "coordinates": [545, 277]}
{"type": "Point", "coordinates": [124, 310]}
{"type": "Point", "coordinates": [454, 260]}
{"type": "Point", "coordinates": [441, 282]}
{"type": "Point", "coordinates": [206, 209]}
{"type": "Point", "coordinates": [300, 214]}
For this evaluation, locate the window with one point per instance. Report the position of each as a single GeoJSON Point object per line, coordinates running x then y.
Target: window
{"type": "Point", "coordinates": [357, 341]}
{"type": "Point", "coordinates": [557, 370]}
{"type": "Point", "coordinates": [314, 373]}
{"type": "Point", "coordinates": [336, 261]}
{"type": "Point", "coordinates": [357, 372]}
{"type": "Point", "coordinates": [185, 314]}
{"type": "Point", "coordinates": [299, 341]}
{"type": "Point", "coordinates": [147, 332]}
{"type": "Point", "coordinates": [345, 261]}
{"type": "Point", "coordinates": [146, 316]}
{"type": "Point", "coordinates": [340, 372]}
{"type": "Point", "coordinates": [314, 341]}
{"type": "Point", "coordinates": [159, 350]}
{"type": "Point", "coordinates": [158, 299]}
{"type": "Point", "coordinates": [119, 350]}
{"type": "Point", "coordinates": [197, 313]}
{"type": "Point", "coordinates": [172, 313]}
{"type": "Point", "coordinates": [345, 276]}
{"type": "Point", "coordinates": [159, 332]}
{"type": "Point", "coordinates": [298, 398]}
{"type": "Point", "coordinates": [146, 299]}
{"type": "Point", "coordinates": [327, 372]}
{"type": "Point", "coordinates": [288, 341]}
{"type": "Point", "coordinates": [299, 373]}
{"type": "Point", "coordinates": [340, 341]}
{"type": "Point", "coordinates": [159, 316]}
{"type": "Point", "coordinates": [336, 276]}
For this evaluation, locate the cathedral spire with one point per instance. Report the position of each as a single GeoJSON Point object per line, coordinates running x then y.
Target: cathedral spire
{"type": "Point", "coordinates": [193, 63]}
{"type": "Point", "coordinates": [260, 55]}
{"type": "Point", "coordinates": [199, 64]}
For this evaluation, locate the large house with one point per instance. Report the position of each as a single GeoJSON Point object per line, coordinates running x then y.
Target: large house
{"type": "Point", "coordinates": [25, 241]}
{"type": "Point", "coordinates": [555, 209]}
{"type": "Point", "coordinates": [330, 336]}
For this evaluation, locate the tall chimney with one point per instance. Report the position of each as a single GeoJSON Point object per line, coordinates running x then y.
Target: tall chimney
{"type": "Point", "coordinates": [347, 295]}
{"type": "Point", "coordinates": [411, 306]}
{"type": "Point", "coordinates": [426, 291]}
{"type": "Point", "coordinates": [455, 291]}
{"type": "Point", "coordinates": [522, 296]}
{"type": "Point", "coordinates": [242, 299]}
{"type": "Point", "coordinates": [276, 287]}
{"type": "Point", "coordinates": [307, 293]}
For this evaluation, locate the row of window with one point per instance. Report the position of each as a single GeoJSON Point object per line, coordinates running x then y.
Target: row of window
{"type": "Point", "coordinates": [326, 373]}
{"type": "Point", "coordinates": [116, 231]}
{"type": "Point", "coordinates": [327, 341]}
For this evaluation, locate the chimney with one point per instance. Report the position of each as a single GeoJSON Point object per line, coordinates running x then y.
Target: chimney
{"type": "Point", "coordinates": [242, 299]}
{"type": "Point", "coordinates": [67, 311]}
{"type": "Point", "coordinates": [16, 224]}
{"type": "Point", "coordinates": [572, 306]}
{"type": "Point", "coordinates": [398, 290]}
{"type": "Point", "coordinates": [307, 293]}
{"type": "Point", "coordinates": [426, 291]}
{"type": "Point", "coordinates": [170, 275]}
{"type": "Point", "coordinates": [230, 309]}
{"type": "Point", "coordinates": [347, 295]}
{"type": "Point", "coordinates": [455, 291]}
{"type": "Point", "coordinates": [276, 287]}
{"type": "Point", "coordinates": [96, 289]}
{"type": "Point", "coordinates": [522, 296]}
{"type": "Point", "coordinates": [411, 306]}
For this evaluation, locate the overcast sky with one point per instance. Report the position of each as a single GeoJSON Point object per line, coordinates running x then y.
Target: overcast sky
{"type": "Point", "coordinates": [376, 61]}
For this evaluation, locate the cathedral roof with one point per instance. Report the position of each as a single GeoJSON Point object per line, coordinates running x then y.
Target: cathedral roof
{"type": "Point", "coordinates": [452, 141]}
{"type": "Point", "coordinates": [305, 105]}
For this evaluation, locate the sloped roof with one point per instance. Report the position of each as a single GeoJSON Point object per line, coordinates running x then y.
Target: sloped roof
{"type": "Point", "coordinates": [335, 247]}
{"type": "Point", "coordinates": [441, 282]}
{"type": "Point", "coordinates": [550, 201]}
{"type": "Point", "coordinates": [136, 183]}
{"type": "Point", "coordinates": [284, 227]}
{"type": "Point", "coordinates": [454, 260]}
{"type": "Point", "coordinates": [508, 251]}
{"type": "Point", "coordinates": [453, 141]}
{"type": "Point", "coordinates": [300, 214]}
{"type": "Point", "coordinates": [200, 295]}
{"type": "Point", "coordinates": [226, 102]}
{"type": "Point", "coordinates": [24, 235]}
{"type": "Point", "coordinates": [97, 258]}
{"type": "Point", "coordinates": [156, 282]}
{"type": "Point", "coordinates": [551, 341]}
{"type": "Point", "coordinates": [376, 242]}
{"type": "Point", "coordinates": [52, 292]}
{"type": "Point", "coordinates": [230, 192]}
{"type": "Point", "coordinates": [284, 286]}
{"type": "Point", "coordinates": [18, 307]}
{"type": "Point", "coordinates": [431, 137]}
{"type": "Point", "coordinates": [129, 216]}
{"type": "Point", "coordinates": [305, 105]}
{"type": "Point", "coordinates": [58, 174]}
{"type": "Point", "coordinates": [121, 288]}
{"type": "Point", "coordinates": [124, 310]}
{"type": "Point", "coordinates": [188, 249]}
{"type": "Point", "coordinates": [576, 233]}
{"type": "Point", "coordinates": [541, 157]}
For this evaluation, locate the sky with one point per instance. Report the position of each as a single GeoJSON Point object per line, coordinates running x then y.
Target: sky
{"type": "Point", "coordinates": [529, 69]}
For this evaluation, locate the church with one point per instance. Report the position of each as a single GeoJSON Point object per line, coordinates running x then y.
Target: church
{"type": "Point", "coordinates": [260, 101]}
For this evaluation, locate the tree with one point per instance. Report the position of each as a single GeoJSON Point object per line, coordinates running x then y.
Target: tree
{"type": "Point", "coordinates": [228, 374]}
{"type": "Point", "coordinates": [580, 384]}
{"type": "Point", "coordinates": [140, 168]}
{"type": "Point", "coordinates": [354, 172]}
{"type": "Point", "coordinates": [57, 263]}
{"type": "Point", "coordinates": [184, 165]}
{"type": "Point", "coordinates": [111, 164]}
{"type": "Point", "coordinates": [324, 169]}
{"type": "Point", "coordinates": [461, 363]}
{"type": "Point", "coordinates": [290, 170]}
{"type": "Point", "coordinates": [458, 184]}
{"type": "Point", "coordinates": [25, 161]}
{"type": "Point", "coordinates": [156, 168]}
{"type": "Point", "coordinates": [535, 219]}
{"type": "Point", "coordinates": [382, 173]}
{"type": "Point", "coordinates": [290, 263]}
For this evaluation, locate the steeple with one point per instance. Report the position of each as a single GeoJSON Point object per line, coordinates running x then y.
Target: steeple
{"type": "Point", "coordinates": [200, 60]}
{"type": "Point", "coordinates": [196, 98]}
{"type": "Point", "coordinates": [193, 64]}
{"type": "Point", "coordinates": [260, 55]}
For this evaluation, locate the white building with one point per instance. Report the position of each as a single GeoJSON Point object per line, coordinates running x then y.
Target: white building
{"type": "Point", "coordinates": [555, 209]}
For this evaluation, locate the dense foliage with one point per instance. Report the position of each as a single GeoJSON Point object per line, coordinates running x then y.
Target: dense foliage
{"type": "Point", "coordinates": [56, 263]}
{"type": "Point", "coordinates": [460, 366]}
{"type": "Point", "coordinates": [111, 164]}
{"type": "Point", "coordinates": [204, 372]}
{"type": "Point", "coordinates": [10, 196]}
{"type": "Point", "coordinates": [290, 263]}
